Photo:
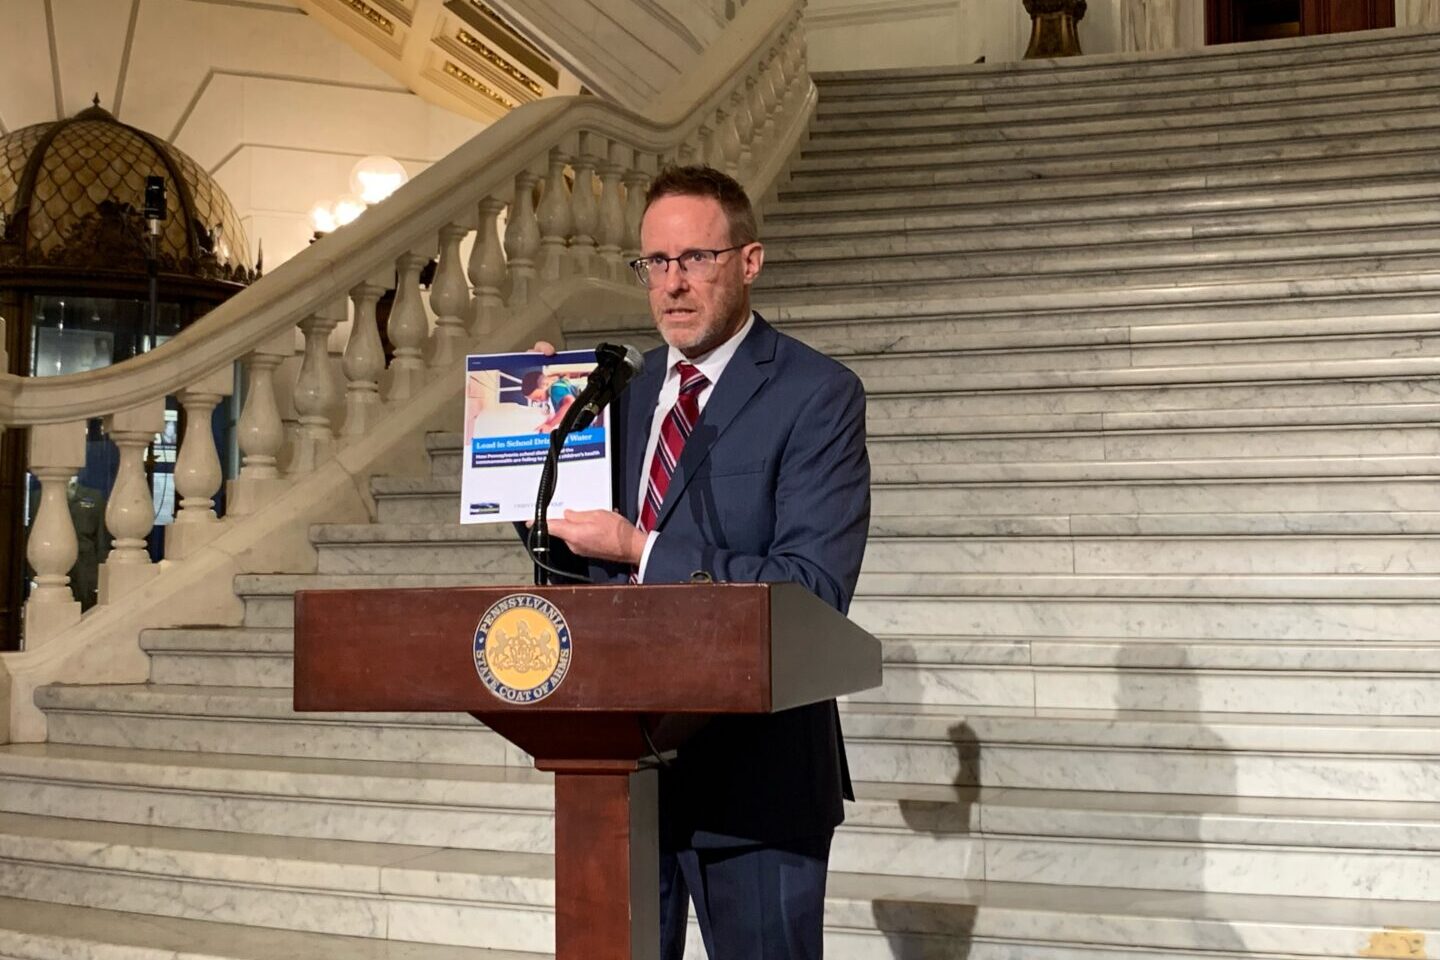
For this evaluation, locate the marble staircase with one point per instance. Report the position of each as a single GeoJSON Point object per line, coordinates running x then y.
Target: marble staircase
{"type": "Point", "coordinates": [1151, 352]}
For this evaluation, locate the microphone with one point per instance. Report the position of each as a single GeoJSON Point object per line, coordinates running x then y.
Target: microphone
{"type": "Point", "coordinates": [617, 365]}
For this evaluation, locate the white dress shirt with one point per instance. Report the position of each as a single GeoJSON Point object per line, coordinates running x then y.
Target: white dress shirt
{"type": "Point", "coordinates": [711, 364]}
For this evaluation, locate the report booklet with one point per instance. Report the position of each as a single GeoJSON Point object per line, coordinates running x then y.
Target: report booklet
{"type": "Point", "coordinates": [512, 401]}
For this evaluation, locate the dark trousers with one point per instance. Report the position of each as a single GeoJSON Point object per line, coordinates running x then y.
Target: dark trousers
{"type": "Point", "coordinates": [752, 903]}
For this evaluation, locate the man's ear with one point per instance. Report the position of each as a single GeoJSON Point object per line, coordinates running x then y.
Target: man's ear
{"type": "Point", "coordinates": [754, 260]}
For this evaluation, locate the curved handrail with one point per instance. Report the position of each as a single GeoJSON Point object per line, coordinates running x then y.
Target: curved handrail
{"type": "Point", "coordinates": [450, 189]}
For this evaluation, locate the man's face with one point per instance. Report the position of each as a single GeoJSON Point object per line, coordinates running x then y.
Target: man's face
{"type": "Point", "coordinates": [696, 316]}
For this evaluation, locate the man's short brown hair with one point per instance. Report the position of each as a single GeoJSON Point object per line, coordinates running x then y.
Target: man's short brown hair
{"type": "Point", "coordinates": [702, 181]}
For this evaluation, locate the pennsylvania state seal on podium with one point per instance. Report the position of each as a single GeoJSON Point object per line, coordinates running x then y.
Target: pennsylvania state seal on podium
{"type": "Point", "coordinates": [522, 648]}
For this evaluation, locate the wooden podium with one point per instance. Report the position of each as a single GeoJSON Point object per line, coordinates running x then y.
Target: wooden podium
{"type": "Point", "coordinates": [639, 669]}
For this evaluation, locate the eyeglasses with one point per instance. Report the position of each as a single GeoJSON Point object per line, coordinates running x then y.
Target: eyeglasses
{"type": "Point", "coordinates": [696, 264]}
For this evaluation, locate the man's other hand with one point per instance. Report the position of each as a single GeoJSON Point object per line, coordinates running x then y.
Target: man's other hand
{"type": "Point", "coordinates": [601, 535]}
{"type": "Point", "coordinates": [545, 347]}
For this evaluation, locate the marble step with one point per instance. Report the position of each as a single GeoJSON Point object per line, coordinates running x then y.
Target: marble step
{"type": "Point", "coordinates": [946, 258]}
{"type": "Point", "coordinates": [1337, 505]}
{"type": "Point", "coordinates": [979, 919]}
{"type": "Point", "coordinates": [473, 808]}
{"type": "Point", "coordinates": [379, 890]}
{"type": "Point", "coordinates": [1336, 678]}
{"type": "Point", "coordinates": [829, 285]}
{"type": "Point", "coordinates": [1397, 169]}
{"type": "Point", "coordinates": [247, 720]}
{"type": "Point", "coordinates": [923, 831]}
{"type": "Point", "coordinates": [939, 177]}
{"type": "Point", "coordinates": [1295, 755]}
{"type": "Point", "coordinates": [33, 930]}
{"type": "Point", "coordinates": [1021, 405]}
{"type": "Point", "coordinates": [1221, 608]}
{"type": "Point", "coordinates": [939, 522]}
{"type": "Point", "coordinates": [896, 592]}
{"type": "Point", "coordinates": [1249, 373]}
{"type": "Point", "coordinates": [415, 802]}
{"type": "Point", "coordinates": [839, 111]}
{"type": "Point", "coordinates": [887, 419]}
{"type": "Point", "coordinates": [946, 441]}
{"type": "Point", "coordinates": [220, 656]}
{"type": "Point", "coordinates": [888, 472]}
{"type": "Point", "coordinates": [1273, 141]}
{"type": "Point", "coordinates": [1169, 310]}
{"type": "Point", "coordinates": [1244, 122]}
{"type": "Point", "coordinates": [1321, 757]}
{"type": "Point", "coordinates": [1002, 334]}
{"type": "Point", "coordinates": [1189, 506]}
{"type": "Point", "coordinates": [1024, 222]}
{"type": "Point", "coordinates": [1053, 838]}
{"type": "Point", "coordinates": [1250, 468]}
{"type": "Point", "coordinates": [377, 549]}
{"type": "Point", "coordinates": [1245, 64]}
{"type": "Point", "coordinates": [960, 363]}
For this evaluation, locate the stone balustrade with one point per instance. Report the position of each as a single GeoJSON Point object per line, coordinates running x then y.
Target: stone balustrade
{"type": "Point", "coordinates": [569, 180]}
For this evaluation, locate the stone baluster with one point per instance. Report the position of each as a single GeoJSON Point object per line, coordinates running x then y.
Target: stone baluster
{"type": "Point", "coordinates": [745, 125]}
{"type": "Point", "coordinates": [316, 392]}
{"type": "Point", "coordinates": [796, 70]}
{"type": "Point", "coordinates": [57, 452]}
{"type": "Point", "coordinates": [612, 210]}
{"type": "Point", "coordinates": [692, 147]}
{"type": "Point", "coordinates": [363, 363]}
{"type": "Point", "coordinates": [130, 514]}
{"type": "Point", "coordinates": [772, 94]}
{"type": "Point", "coordinates": [261, 431]}
{"type": "Point", "coordinates": [714, 141]}
{"type": "Point", "coordinates": [637, 181]}
{"type": "Point", "coordinates": [522, 239]}
{"type": "Point", "coordinates": [408, 328]}
{"type": "Point", "coordinates": [584, 210]}
{"type": "Point", "coordinates": [449, 299]}
{"type": "Point", "coordinates": [198, 475]}
{"type": "Point", "coordinates": [487, 270]}
{"type": "Point", "coordinates": [555, 218]}
{"type": "Point", "coordinates": [729, 136]}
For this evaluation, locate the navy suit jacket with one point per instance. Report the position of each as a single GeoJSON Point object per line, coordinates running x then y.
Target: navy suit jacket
{"type": "Point", "coordinates": [773, 485]}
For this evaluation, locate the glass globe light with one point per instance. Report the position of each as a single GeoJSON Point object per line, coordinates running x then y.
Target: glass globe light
{"type": "Point", "coordinates": [322, 218]}
{"type": "Point", "coordinates": [348, 208]}
{"type": "Point", "coordinates": [375, 178]}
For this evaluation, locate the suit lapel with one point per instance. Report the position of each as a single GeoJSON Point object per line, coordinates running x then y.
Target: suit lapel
{"type": "Point", "coordinates": [744, 375]}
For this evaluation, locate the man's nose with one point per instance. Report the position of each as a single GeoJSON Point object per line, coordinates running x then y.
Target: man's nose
{"type": "Point", "coordinates": [675, 278]}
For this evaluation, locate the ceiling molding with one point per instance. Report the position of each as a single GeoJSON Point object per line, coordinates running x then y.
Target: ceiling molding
{"type": "Point", "coordinates": [261, 75]}
{"type": "Point", "coordinates": [54, 60]}
{"type": "Point", "coordinates": [253, 5]}
{"type": "Point", "coordinates": [125, 60]}
{"type": "Point", "coordinates": [457, 54]}
{"type": "Point", "coordinates": [308, 151]}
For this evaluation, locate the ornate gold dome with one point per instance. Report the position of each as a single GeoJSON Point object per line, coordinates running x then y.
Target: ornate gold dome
{"type": "Point", "coordinates": [72, 194]}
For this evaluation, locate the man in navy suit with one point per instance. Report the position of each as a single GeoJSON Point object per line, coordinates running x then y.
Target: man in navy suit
{"type": "Point", "coordinates": [740, 457]}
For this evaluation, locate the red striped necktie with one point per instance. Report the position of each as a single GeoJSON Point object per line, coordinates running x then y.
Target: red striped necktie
{"type": "Point", "coordinates": [673, 433]}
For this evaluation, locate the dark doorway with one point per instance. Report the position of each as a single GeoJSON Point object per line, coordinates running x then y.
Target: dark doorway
{"type": "Point", "coordinates": [1236, 21]}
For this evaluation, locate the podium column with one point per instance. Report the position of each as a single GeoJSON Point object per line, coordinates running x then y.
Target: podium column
{"type": "Point", "coordinates": [607, 860]}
